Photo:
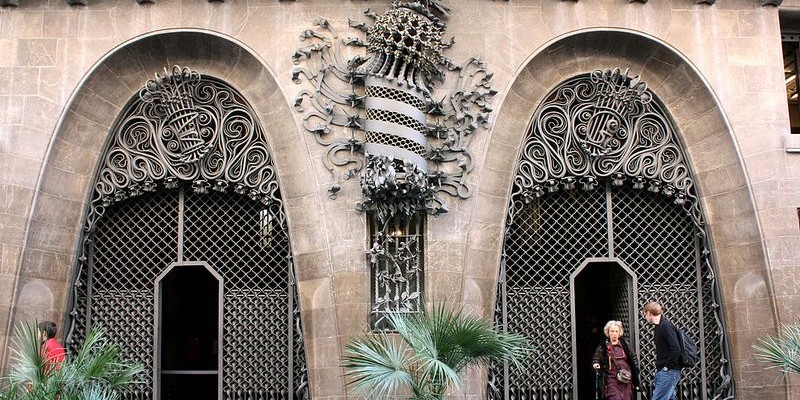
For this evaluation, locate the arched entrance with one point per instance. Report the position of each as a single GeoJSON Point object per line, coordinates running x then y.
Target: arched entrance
{"type": "Point", "coordinates": [187, 179]}
{"type": "Point", "coordinates": [602, 289]}
{"type": "Point", "coordinates": [603, 175]}
{"type": "Point", "coordinates": [188, 318]}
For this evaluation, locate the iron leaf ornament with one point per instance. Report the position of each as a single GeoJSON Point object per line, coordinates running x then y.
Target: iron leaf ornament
{"type": "Point", "coordinates": [374, 106]}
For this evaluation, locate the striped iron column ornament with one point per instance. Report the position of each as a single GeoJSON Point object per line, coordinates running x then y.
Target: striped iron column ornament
{"type": "Point", "coordinates": [380, 116]}
{"type": "Point", "coordinates": [382, 107]}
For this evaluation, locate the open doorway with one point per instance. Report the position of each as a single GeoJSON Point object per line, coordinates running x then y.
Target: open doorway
{"type": "Point", "coordinates": [188, 358]}
{"type": "Point", "coordinates": [602, 290]}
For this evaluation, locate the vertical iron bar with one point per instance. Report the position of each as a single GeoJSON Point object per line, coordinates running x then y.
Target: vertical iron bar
{"type": "Point", "coordinates": [421, 229]}
{"type": "Point", "coordinates": [220, 331]}
{"type": "Point", "coordinates": [89, 285]}
{"type": "Point", "coordinates": [291, 327]}
{"type": "Point", "coordinates": [156, 364]}
{"type": "Point", "coordinates": [698, 267]}
{"type": "Point", "coordinates": [504, 323]}
{"type": "Point", "coordinates": [181, 209]}
{"type": "Point", "coordinates": [610, 220]}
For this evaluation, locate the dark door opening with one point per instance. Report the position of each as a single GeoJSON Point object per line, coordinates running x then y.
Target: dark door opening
{"type": "Point", "coordinates": [189, 333]}
{"type": "Point", "coordinates": [602, 292]}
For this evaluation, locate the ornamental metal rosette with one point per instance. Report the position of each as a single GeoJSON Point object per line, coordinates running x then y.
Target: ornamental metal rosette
{"type": "Point", "coordinates": [375, 108]}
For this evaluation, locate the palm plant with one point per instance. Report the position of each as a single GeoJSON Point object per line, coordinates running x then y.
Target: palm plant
{"type": "Point", "coordinates": [783, 351]}
{"type": "Point", "coordinates": [432, 349]}
{"type": "Point", "coordinates": [95, 372]}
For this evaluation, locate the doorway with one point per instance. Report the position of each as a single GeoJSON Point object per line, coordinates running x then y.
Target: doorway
{"type": "Point", "coordinates": [189, 333]}
{"type": "Point", "coordinates": [603, 290]}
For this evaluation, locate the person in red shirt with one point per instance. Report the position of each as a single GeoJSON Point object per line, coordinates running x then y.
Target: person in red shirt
{"type": "Point", "coordinates": [52, 351]}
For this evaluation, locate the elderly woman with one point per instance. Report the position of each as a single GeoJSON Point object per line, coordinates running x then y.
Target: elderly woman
{"type": "Point", "coordinates": [614, 355]}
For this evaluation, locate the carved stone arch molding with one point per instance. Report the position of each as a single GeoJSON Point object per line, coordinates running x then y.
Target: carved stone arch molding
{"type": "Point", "coordinates": [65, 185]}
{"type": "Point", "coordinates": [734, 239]}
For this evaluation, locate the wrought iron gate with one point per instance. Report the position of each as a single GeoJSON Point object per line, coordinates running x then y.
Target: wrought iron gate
{"type": "Point", "coordinates": [602, 175]}
{"type": "Point", "coordinates": [152, 207]}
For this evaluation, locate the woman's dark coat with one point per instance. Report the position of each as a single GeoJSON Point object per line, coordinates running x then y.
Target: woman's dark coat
{"type": "Point", "coordinates": [601, 357]}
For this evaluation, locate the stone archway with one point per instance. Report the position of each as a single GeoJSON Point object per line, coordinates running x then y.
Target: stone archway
{"type": "Point", "coordinates": [704, 131]}
{"type": "Point", "coordinates": [63, 188]}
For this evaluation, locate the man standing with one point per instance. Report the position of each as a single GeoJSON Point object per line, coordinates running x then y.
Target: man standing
{"type": "Point", "coordinates": [52, 351]}
{"type": "Point", "coordinates": [668, 350]}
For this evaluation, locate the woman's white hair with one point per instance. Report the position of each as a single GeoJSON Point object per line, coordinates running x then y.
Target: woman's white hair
{"type": "Point", "coordinates": [611, 323]}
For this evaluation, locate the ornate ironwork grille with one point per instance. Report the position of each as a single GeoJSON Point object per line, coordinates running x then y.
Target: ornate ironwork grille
{"type": "Point", "coordinates": [552, 235]}
{"type": "Point", "coordinates": [396, 259]}
{"type": "Point", "coordinates": [160, 211]}
{"type": "Point", "coordinates": [601, 180]}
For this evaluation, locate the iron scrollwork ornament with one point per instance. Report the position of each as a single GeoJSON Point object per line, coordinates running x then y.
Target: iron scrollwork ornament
{"type": "Point", "coordinates": [180, 138]}
{"type": "Point", "coordinates": [390, 192]}
{"type": "Point", "coordinates": [605, 126]}
{"type": "Point", "coordinates": [397, 273]}
{"type": "Point", "coordinates": [185, 128]}
{"type": "Point", "coordinates": [382, 107]}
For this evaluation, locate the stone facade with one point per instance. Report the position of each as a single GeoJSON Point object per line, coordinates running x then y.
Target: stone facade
{"type": "Point", "coordinates": [67, 71]}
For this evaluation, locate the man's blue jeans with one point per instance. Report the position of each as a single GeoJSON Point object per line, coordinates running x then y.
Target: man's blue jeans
{"type": "Point", "coordinates": [664, 384]}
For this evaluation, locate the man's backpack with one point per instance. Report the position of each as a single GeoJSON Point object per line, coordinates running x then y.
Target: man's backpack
{"type": "Point", "coordinates": [688, 357]}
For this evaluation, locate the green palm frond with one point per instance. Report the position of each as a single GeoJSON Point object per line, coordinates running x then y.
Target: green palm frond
{"type": "Point", "coordinates": [783, 351]}
{"type": "Point", "coordinates": [94, 343]}
{"type": "Point", "coordinates": [95, 372]}
{"type": "Point", "coordinates": [123, 374]}
{"type": "Point", "coordinates": [97, 365]}
{"type": "Point", "coordinates": [97, 392]}
{"type": "Point", "coordinates": [27, 356]}
{"type": "Point", "coordinates": [435, 347]}
{"type": "Point", "coordinates": [378, 366]}
{"type": "Point", "coordinates": [427, 336]}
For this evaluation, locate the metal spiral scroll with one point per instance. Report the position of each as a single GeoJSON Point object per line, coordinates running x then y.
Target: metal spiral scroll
{"type": "Point", "coordinates": [207, 136]}
{"type": "Point", "coordinates": [605, 125]}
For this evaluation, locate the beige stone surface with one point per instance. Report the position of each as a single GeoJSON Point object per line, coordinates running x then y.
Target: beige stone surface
{"type": "Point", "coordinates": [66, 72]}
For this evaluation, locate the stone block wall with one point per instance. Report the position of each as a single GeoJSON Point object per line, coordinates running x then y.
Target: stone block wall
{"type": "Point", "coordinates": [66, 71]}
